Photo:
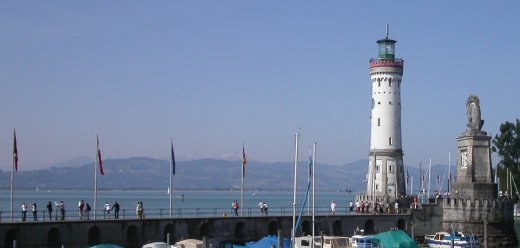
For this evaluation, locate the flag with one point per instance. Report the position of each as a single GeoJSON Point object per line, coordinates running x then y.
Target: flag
{"type": "Point", "coordinates": [173, 161]}
{"type": "Point", "coordinates": [15, 152]}
{"type": "Point", "coordinates": [310, 163]}
{"type": "Point", "coordinates": [244, 161]}
{"type": "Point", "coordinates": [407, 177]}
{"type": "Point", "coordinates": [438, 178]}
{"type": "Point", "coordinates": [98, 157]}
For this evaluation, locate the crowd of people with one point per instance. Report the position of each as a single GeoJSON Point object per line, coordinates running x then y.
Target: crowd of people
{"type": "Point", "coordinates": [377, 207]}
{"type": "Point", "coordinates": [56, 210]}
{"type": "Point", "coordinates": [359, 206]}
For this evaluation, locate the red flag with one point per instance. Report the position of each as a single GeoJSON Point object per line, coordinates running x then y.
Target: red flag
{"type": "Point", "coordinates": [244, 162]}
{"type": "Point", "coordinates": [173, 160]}
{"type": "Point", "coordinates": [15, 152]}
{"type": "Point", "coordinates": [98, 157]}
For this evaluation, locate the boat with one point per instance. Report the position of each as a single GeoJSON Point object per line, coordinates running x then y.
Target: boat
{"type": "Point", "coordinates": [444, 240]}
{"type": "Point", "coordinates": [189, 243]}
{"type": "Point", "coordinates": [358, 234]}
{"type": "Point", "coordinates": [364, 242]}
{"type": "Point", "coordinates": [328, 242]}
{"type": "Point", "coordinates": [395, 239]}
{"type": "Point", "coordinates": [265, 242]}
{"type": "Point", "coordinates": [106, 246]}
{"type": "Point", "coordinates": [157, 245]}
{"type": "Point", "coordinates": [391, 238]}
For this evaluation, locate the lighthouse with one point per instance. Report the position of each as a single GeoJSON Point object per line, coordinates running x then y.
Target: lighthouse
{"type": "Point", "coordinates": [385, 177]}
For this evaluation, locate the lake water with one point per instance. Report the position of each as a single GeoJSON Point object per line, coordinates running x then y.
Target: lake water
{"type": "Point", "coordinates": [156, 202]}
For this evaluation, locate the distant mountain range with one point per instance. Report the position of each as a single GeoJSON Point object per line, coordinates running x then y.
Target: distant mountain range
{"type": "Point", "coordinates": [208, 174]}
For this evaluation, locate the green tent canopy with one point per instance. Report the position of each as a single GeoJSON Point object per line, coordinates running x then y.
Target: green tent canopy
{"type": "Point", "coordinates": [395, 239]}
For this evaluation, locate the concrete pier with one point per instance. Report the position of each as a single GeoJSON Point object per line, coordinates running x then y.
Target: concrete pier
{"type": "Point", "coordinates": [136, 232]}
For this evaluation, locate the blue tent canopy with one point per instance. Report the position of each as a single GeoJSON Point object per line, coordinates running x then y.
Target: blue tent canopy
{"type": "Point", "coordinates": [266, 242]}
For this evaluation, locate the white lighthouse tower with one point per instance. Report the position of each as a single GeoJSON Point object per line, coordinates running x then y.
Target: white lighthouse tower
{"type": "Point", "coordinates": [385, 175]}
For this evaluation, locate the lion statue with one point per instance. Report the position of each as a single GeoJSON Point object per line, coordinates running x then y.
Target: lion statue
{"type": "Point", "coordinates": [473, 111]}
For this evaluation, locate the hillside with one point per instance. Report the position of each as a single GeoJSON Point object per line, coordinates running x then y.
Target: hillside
{"type": "Point", "coordinates": [210, 174]}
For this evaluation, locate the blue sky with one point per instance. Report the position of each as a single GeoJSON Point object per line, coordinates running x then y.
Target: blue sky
{"type": "Point", "coordinates": [215, 74]}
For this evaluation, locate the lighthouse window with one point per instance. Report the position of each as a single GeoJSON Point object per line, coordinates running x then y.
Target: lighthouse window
{"type": "Point", "coordinates": [390, 102]}
{"type": "Point", "coordinates": [377, 187]}
{"type": "Point", "coordinates": [378, 122]}
{"type": "Point", "coordinates": [390, 140]}
{"type": "Point", "coordinates": [377, 168]}
{"type": "Point", "coordinates": [390, 82]}
{"type": "Point", "coordinates": [390, 168]}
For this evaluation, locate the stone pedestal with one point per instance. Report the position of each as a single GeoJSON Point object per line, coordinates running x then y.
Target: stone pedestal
{"type": "Point", "coordinates": [474, 172]}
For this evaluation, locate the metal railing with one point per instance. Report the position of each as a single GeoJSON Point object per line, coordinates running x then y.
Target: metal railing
{"type": "Point", "coordinates": [74, 215]}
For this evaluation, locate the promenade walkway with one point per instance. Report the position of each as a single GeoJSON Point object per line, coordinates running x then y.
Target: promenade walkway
{"type": "Point", "coordinates": [73, 215]}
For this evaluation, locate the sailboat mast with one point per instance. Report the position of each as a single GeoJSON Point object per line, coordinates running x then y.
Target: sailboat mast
{"type": "Point", "coordinates": [293, 234]}
{"type": "Point", "coordinates": [449, 172]}
{"type": "Point", "coordinates": [313, 192]}
{"type": "Point", "coordinates": [429, 177]}
{"type": "Point", "coordinates": [411, 186]}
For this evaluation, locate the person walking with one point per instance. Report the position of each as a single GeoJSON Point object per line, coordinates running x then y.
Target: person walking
{"type": "Point", "coordinates": [396, 206]}
{"type": "Point", "coordinates": [261, 206]}
{"type": "Point", "coordinates": [107, 209]}
{"type": "Point", "coordinates": [235, 207]}
{"type": "Point", "coordinates": [24, 211]}
{"type": "Point", "coordinates": [116, 210]}
{"type": "Point", "coordinates": [142, 210]}
{"type": "Point", "coordinates": [351, 207]}
{"type": "Point", "coordinates": [87, 212]}
{"type": "Point", "coordinates": [62, 210]}
{"type": "Point", "coordinates": [138, 210]}
{"type": "Point", "coordinates": [266, 208]}
{"type": "Point", "coordinates": [49, 209]}
{"type": "Point", "coordinates": [81, 206]}
{"type": "Point", "coordinates": [34, 211]}
{"type": "Point", "coordinates": [333, 207]}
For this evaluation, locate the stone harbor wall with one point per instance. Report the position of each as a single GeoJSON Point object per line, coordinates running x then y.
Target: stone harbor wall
{"type": "Point", "coordinates": [491, 221]}
{"type": "Point", "coordinates": [426, 219]}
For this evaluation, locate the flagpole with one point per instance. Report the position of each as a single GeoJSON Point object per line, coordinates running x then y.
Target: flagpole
{"type": "Point", "coordinates": [308, 182]}
{"type": "Point", "coordinates": [100, 163]}
{"type": "Point", "coordinates": [15, 164]}
{"type": "Point", "coordinates": [244, 161]}
{"type": "Point", "coordinates": [170, 189]}
{"type": "Point", "coordinates": [293, 234]}
{"type": "Point", "coordinates": [95, 184]}
{"type": "Point", "coordinates": [241, 195]}
{"type": "Point", "coordinates": [12, 183]}
{"type": "Point", "coordinates": [313, 191]}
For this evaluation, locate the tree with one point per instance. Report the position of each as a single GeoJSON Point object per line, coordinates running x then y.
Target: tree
{"type": "Point", "coordinates": [507, 145]}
